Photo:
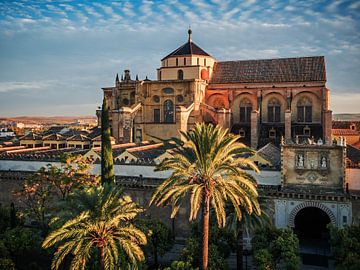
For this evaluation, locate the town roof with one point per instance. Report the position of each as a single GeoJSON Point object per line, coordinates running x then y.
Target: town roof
{"type": "Point", "coordinates": [301, 69]}
{"type": "Point", "coordinates": [353, 154]}
{"type": "Point", "coordinates": [78, 137]}
{"type": "Point", "coordinates": [270, 153]}
{"type": "Point", "coordinates": [345, 124]}
{"type": "Point", "coordinates": [31, 136]}
{"type": "Point", "coordinates": [54, 137]}
{"type": "Point", "coordinates": [189, 48]}
{"type": "Point", "coordinates": [344, 132]}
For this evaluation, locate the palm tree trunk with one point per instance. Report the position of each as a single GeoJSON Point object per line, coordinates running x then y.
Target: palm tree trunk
{"type": "Point", "coordinates": [206, 215]}
{"type": "Point", "coordinates": [102, 258]}
{"type": "Point", "coordinates": [239, 246]}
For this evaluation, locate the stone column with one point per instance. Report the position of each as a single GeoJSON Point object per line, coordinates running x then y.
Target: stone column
{"type": "Point", "coordinates": [254, 129]}
{"type": "Point", "coordinates": [287, 125]}
{"type": "Point", "coordinates": [327, 124]}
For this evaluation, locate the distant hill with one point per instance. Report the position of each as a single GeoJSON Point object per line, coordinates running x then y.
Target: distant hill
{"type": "Point", "coordinates": [346, 117]}
{"type": "Point", "coordinates": [61, 120]}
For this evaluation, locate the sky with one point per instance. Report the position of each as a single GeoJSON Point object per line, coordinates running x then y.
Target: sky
{"type": "Point", "coordinates": [56, 55]}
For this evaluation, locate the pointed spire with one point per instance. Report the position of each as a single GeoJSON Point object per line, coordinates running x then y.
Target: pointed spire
{"type": "Point", "coordinates": [122, 77]}
{"type": "Point", "coordinates": [137, 77]}
{"type": "Point", "coordinates": [190, 33]}
{"type": "Point", "coordinates": [117, 78]}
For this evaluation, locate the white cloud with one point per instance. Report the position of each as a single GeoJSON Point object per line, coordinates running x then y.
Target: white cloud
{"type": "Point", "coordinates": [15, 86]}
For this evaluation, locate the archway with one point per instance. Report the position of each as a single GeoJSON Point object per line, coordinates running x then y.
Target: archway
{"type": "Point", "coordinates": [311, 229]}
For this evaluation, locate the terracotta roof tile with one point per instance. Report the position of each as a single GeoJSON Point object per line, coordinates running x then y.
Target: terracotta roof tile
{"type": "Point", "coordinates": [344, 132]}
{"type": "Point", "coordinates": [302, 69]}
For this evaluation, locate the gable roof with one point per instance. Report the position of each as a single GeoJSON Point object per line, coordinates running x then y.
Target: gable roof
{"type": "Point", "coordinates": [189, 48]}
{"type": "Point", "coordinates": [54, 137]}
{"type": "Point", "coordinates": [270, 153]}
{"type": "Point", "coordinates": [31, 136]}
{"type": "Point", "coordinates": [301, 69]}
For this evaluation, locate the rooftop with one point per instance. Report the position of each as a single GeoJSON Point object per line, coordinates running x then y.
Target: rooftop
{"type": "Point", "coordinates": [301, 69]}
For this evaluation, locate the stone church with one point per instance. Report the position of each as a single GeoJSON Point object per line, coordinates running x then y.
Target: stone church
{"type": "Point", "coordinates": [261, 100]}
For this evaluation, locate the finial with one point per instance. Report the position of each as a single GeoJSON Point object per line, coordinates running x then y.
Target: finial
{"type": "Point", "coordinates": [137, 77]}
{"type": "Point", "coordinates": [190, 32]}
{"type": "Point", "coordinates": [122, 77]}
{"type": "Point", "coordinates": [117, 78]}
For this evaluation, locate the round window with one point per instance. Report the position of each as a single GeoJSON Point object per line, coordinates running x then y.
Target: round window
{"type": "Point", "coordinates": [125, 101]}
{"type": "Point", "coordinates": [156, 99]}
{"type": "Point", "coordinates": [180, 98]}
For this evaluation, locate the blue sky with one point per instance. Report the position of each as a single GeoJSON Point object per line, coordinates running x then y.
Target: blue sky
{"type": "Point", "coordinates": [56, 55]}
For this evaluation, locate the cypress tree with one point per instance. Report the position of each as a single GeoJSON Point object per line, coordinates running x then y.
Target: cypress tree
{"type": "Point", "coordinates": [107, 162]}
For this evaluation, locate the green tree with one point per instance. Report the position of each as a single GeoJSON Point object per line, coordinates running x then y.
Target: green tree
{"type": "Point", "coordinates": [107, 162]}
{"type": "Point", "coordinates": [106, 231]}
{"type": "Point", "coordinates": [281, 244]}
{"type": "Point", "coordinates": [208, 164]}
{"type": "Point", "coordinates": [159, 236]}
{"type": "Point", "coordinates": [345, 244]}
{"type": "Point", "coordinates": [248, 224]}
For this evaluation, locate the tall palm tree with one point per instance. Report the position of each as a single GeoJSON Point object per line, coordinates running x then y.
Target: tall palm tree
{"type": "Point", "coordinates": [209, 164]}
{"type": "Point", "coordinates": [105, 230]}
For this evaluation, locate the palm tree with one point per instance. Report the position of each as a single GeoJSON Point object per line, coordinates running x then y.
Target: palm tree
{"type": "Point", "coordinates": [209, 164]}
{"type": "Point", "coordinates": [105, 229]}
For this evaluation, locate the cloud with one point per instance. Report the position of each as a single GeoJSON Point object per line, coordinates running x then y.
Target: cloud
{"type": "Point", "coordinates": [23, 86]}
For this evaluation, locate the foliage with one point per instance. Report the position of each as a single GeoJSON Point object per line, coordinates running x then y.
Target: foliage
{"type": "Point", "coordinates": [107, 162]}
{"type": "Point", "coordinates": [345, 245]}
{"type": "Point", "coordinates": [7, 264]}
{"type": "Point", "coordinates": [41, 190]}
{"type": "Point", "coordinates": [73, 173]}
{"type": "Point", "coordinates": [180, 265]}
{"type": "Point", "coordinates": [209, 164]}
{"type": "Point", "coordinates": [159, 236]}
{"type": "Point", "coordinates": [4, 218]}
{"type": "Point", "coordinates": [24, 247]}
{"type": "Point", "coordinates": [221, 244]}
{"type": "Point", "coordinates": [281, 244]}
{"type": "Point", "coordinates": [105, 230]}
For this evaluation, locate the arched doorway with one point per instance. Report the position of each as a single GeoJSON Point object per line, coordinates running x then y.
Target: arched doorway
{"type": "Point", "coordinates": [311, 229]}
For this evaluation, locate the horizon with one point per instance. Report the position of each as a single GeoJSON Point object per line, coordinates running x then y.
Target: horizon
{"type": "Point", "coordinates": [56, 56]}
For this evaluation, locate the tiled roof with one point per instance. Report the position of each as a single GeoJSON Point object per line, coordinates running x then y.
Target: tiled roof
{"type": "Point", "coordinates": [78, 137]}
{"type": "Point", "coordinates": [189, 48]}
{"type": "Point", "coordinates": [345, 124]}
{"type": "Point", "coordinates": [271, 153]}
{"type": "Point", "coordinates": [344, 132]}
{"type": "Point", "coordinates": [356, 145]}
{"type": "Point", "coordinates": [302, 69]}
{"type": "Point", "coordinates": [353, 154]}
{"type": "Point", "coordinates": [54, 137]}
{"type": "Point", "coordinates": [31, 136]}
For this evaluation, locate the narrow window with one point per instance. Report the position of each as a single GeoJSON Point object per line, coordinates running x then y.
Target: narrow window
{"type": "Point", "coordinates": [274, 111]}
{"type": "Point", "coordinates": [198, 61]}
{"type": "Point", "coordinates": [304, 110]}
{"type": "Point", "coordinates": [245, 111]}
{"type": "Point", "coordinates": [242, 133]}
{"type": "Point", "coordinates": [184, 61]}
{"type": "Point", "coordinates": [177, 62]}
{"type": "Point", "coordinates": [272, 134]}
{"type": "Point", "coordinates": [204, 61]}
{"type": "Point", "coordinates": [180, 74]}
{"type": "Point", "coordinates": [159, 75]}
{"type": "Point", "coordinates": [156, 115]}
{"type": "Point", "coordinates": [168, 111]}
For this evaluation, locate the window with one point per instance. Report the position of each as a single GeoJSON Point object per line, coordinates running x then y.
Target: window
{"type": "Point", "coordinates": [156, 115]}
{"type": "Point", "coordinates": [184, 61]}
{"type": "Point", "coordinates": [198, 62]}
{"type": "Point", "coordinates": [168, 111]}
{"type": "Point", "coordinates": [306, 131]}
{"type": "Point", "coordinates": [159, 75]}
{"type": "Point", "coordinates": [274, 110]}
{"type": "Point", "coordinates": [272, 134]}
{"type": "Point", "coordinates": [177, 62]}
{"type": "Point", "coordinates": [245, 111]}
{"type": "Point", "coordinates": [168, 90]}
{"type": "Point", "coordinates": [156, 99]}
{"type": "Point", "coordinates": [126, 101]}
{"type": "Point", "coordinates": [204, 61]}
{"type": "Point", "coordinates": [242, 133]}
{"type": "Point", "coordinates": [180, 74]}
{"type": "Point", "coordinates": [304, 110]}
{"type": "Point", "coordinates": [132, 97]}
{"type": "Point", "coordinates": [179, 98]}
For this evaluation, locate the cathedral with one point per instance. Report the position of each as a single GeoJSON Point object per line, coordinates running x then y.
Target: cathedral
{"type": "Point", "coordinates": [260, 100]}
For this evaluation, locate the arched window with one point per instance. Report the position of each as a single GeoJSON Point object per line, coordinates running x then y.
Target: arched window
{"type": "Point", "coordinates": [180, 74]}
{"type": "Point", "coordinates": [132, 97]}
{"type": "Point", "coordinates": [168, 111]}
{"type": "Point", "coordinates": [274, 110]}
{"type": "Point", "coordinates": [245, 111]}
{"type": "Point", "coordinates": [304, 110]}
